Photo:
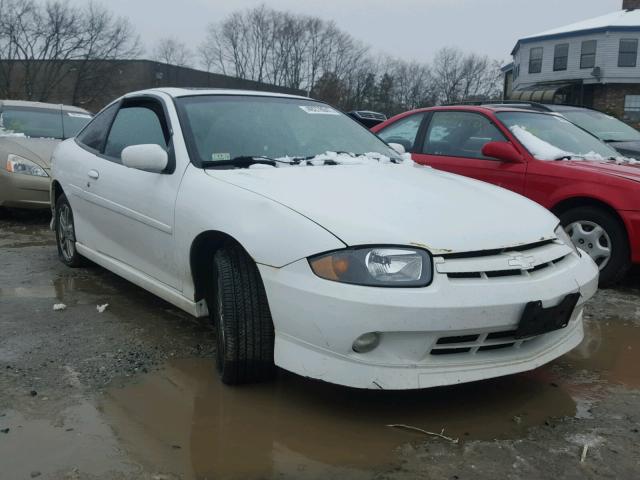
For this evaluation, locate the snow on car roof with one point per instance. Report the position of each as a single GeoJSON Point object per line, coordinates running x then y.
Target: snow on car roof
{"type": "Point", "coordinates": [618, 19]}
{"type": "Point", "coordinates": [187, 92]}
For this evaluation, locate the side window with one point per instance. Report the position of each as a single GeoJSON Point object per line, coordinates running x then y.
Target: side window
{"type": "Point", "coordinates": [460, 134]}
{"type": "Point", "coordinates": [404, 131]}
{"type": "Point", "coordinates": [135, 125]}
{"type": "Point", "coordinates": [95, 132]}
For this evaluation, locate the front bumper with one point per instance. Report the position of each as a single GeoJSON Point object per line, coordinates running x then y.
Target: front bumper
{"type": "Point", "coordinates": [24, 191]}
{"type": "Point", "coordinates": [316, 322]}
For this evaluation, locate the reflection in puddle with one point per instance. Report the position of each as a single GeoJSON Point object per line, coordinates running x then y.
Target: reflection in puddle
{"type": "Point", "coordinates": [611, 349]}
{"type": "Point", "coordinates": [60, 288]}
{"type": "Point", "coordinates": [185, 420]}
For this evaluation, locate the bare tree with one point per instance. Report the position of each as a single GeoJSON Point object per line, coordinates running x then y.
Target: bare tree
{"type": "Point", "coordinates": [45, 44]}
{"type": "Point", "coordinates": [311, 54]}
{"type": "Point", "coordinates": [172, 51]}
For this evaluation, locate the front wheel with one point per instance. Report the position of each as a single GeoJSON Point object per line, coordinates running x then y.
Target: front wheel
{"type": "Point", "coordinates": [602, 236]}
{"type": "Point", "coordinates": [245, 335]}
{"type": "Point", "coordinates": [66, 234]}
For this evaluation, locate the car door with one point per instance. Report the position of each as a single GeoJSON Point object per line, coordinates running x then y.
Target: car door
{"type": "Point", "coordinates": [132, 211]}
{"type": "Point", "coordinates": [453, 142]}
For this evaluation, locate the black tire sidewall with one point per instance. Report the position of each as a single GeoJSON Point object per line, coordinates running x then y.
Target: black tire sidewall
{"type": "Point", "coordinates": [620, 260]}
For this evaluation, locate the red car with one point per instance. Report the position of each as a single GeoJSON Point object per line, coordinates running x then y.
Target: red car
{"type": "Point", "coordinates": [542, 156]}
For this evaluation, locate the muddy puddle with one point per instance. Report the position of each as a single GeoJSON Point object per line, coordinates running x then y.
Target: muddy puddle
{"type": "Point", "coordinates": [183, 420]}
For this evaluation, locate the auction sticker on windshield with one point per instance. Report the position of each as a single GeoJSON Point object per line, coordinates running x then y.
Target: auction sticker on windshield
{"type": "Point", "coordinates": [220, 156]}
{"type": "Point", "coordinates": [319, 110]}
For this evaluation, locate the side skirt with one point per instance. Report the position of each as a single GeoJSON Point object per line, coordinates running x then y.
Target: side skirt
{"type": "Point", "coordinates": [171, 295]}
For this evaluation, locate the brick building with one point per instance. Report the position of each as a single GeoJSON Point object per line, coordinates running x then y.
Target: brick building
{"type": "Point", "coordinates": [592, 63]}
{"type": "Point", "coordinates": [92, 84]}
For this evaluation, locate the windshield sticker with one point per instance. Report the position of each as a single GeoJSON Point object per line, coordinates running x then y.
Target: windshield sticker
{"type": "Point", "coordinates": [78, 115]}
{"type": "Point", "coordinates": [319, 110]}
{"type": "Point", "coordinates": [220, 156]}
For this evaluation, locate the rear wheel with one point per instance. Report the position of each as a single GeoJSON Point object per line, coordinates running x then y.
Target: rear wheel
{"type": "Point", "coordinates": [66, 234]}
{"type": "Point", "coordinates": [242, 317]}
{"type": "Point", "coordinates": [603, 237]}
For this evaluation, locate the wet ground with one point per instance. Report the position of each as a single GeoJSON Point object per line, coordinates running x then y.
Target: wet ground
{"type": "Point", "coordinates": [132, 393]}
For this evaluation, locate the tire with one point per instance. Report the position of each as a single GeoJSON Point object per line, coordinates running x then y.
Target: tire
{"type": "Point", "coordinates": [613, 236]}
{"type": "Point", "coordinates": [245, 334]}
{"type": "Point", "coordinates": [65, 234]}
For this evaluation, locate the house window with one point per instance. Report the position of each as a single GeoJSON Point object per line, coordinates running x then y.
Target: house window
{"type": "Point", "coordinates": [560, 55]}
{"type": "Point", "coordinates": [516, 72]}
{"type": "Point", "coordinates": [632, 108]}
{"type": "Point", "coordinates": [588, 54]}
{"type": "Point", "coordinates": [628, 52]}
{"type": "Point", "coordinates": [535, 60]}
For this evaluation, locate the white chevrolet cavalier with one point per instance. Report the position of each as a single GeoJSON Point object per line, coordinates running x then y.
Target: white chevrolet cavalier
{"type": "Point", "coordinates": [313, 245]}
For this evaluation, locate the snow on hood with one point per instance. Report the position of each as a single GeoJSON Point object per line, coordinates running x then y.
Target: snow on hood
{"type": "Point", "coordinates": [335, 158]}
{"type": "Point", "coordinates": [543, 150]}
{"type": "Point", "coordinates": [400, 204]}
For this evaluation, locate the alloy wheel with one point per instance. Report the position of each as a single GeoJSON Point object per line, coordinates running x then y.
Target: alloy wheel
{"type": "Point", "coordinates": [593, 239]}
{"type": "Point", "coordinates": [66, 234]}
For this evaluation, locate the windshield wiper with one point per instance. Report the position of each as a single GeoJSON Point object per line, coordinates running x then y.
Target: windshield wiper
{"type": "Point", "coordinates": [244, 161]}
{"type": "Point", "coordinates": [568, 157]}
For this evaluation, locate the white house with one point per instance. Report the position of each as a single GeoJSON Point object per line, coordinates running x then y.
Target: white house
{"type": "Point", "coordinates": [592, 63]}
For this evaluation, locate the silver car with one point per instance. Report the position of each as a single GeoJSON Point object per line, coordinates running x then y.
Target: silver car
{"type": "Point", "coordinates": [29, 132]}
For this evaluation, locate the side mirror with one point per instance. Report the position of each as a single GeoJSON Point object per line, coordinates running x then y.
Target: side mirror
{"type": "Point", "coordinates": [148, 157]}
{"type": "Point", "coordinates": [397, 147]}
{"type": "Point", "coordinates": [504, 151]}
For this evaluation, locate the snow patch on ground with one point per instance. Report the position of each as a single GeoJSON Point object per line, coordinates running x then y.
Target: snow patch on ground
{"type": "Point", "coordinates": [58, 307]}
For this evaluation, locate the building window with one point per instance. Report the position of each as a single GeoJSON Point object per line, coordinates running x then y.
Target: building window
{"type": "Point", "coordinates": [588, 55]}
{"type": "Point", "coordinates": [560, 55]}
{"type": "Point", "coordinates": [628, 52]}
{"type": "Point", "coordinates": [535, 60]}
{"type": "Point", "coordinates": [632, 108]}
{"type": "Point", "coordinates": [516, 72]}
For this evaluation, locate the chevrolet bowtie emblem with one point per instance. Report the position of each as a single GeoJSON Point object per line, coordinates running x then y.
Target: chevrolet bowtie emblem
{"type": "Point", "coordinates": [522, 261]}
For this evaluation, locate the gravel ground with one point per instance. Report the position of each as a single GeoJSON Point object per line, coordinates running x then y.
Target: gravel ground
{"type": "Point", "coordinates": [131, 392]}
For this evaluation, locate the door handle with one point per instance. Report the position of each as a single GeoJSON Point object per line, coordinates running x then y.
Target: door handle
{"type": "Point", "coordinates": [93, 174]}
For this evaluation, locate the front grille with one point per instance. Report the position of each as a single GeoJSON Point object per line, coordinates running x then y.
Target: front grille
{"type": "Point", "coordinates": [521, 261]}
{"type": "Point", "coordinates": [477, 342]}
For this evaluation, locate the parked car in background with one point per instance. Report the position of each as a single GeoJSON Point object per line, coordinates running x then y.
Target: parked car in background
{"type": "Point", "coordinates": [617, 134]}
{"type": "Point", "coordinates": [367, 118]}
{"type": "Point", "coordinates": [313, 245]}
{"type": "Point", "coordinates": [29, 132]}
{"type": "Point", "coordinates": [543, 157]}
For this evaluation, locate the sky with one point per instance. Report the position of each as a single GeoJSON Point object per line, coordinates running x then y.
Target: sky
{"type": "Point", "coordinates": [409, 29]}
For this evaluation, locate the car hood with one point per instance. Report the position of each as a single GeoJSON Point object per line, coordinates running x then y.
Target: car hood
{"type": "Point", "coordinates": [400, 205]}
{"type": "Point", "coordinates": [628, 149]}
{"type": "Point", "coordinates": [608, 167]}
{"type": "Point", "coordinates": [35, 149]}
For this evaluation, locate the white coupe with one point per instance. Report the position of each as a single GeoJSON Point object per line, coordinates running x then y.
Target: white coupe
{"type": "Point", "coordinates": [313, 245]}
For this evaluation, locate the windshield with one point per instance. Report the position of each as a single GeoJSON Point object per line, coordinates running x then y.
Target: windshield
{"type": "Point", "coordinates": [220, 128]}
{"type": "Point", "coordinates": [551, 137]}
{"type": "Point", "coordinates": [41, 123]}
{"type": "Point", "coordinates": [603, 126]}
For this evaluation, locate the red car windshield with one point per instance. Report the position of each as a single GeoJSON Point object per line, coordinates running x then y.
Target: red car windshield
{"type": "Point", "coordinates": [551, 137]}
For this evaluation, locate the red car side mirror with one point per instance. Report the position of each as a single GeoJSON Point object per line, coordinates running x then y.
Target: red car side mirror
{"type": "Point", "coordinates": [504, 151]}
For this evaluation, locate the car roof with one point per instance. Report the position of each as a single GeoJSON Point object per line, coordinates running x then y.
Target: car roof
{"type": "Point", "coordinates": [42, 105]}
{"type": "Point", "coordinates": [189, 92]}
{"type": "Point", "coordinates": [493, 108]}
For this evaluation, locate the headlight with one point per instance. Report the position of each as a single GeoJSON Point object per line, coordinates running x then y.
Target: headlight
{"type": "Point", "coordinates": [375, 266]}
{"type": "Point", "coordinates": [18, 164]}
{"type": "Point", "coordinates": [565, 238]}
